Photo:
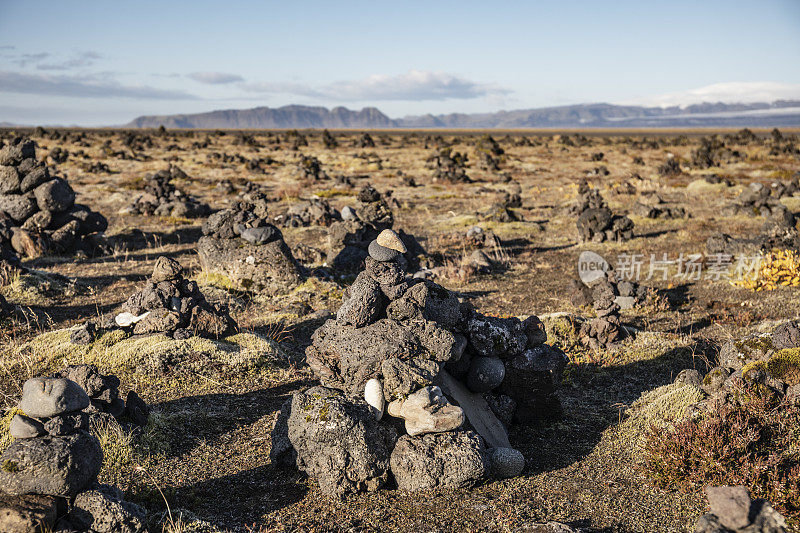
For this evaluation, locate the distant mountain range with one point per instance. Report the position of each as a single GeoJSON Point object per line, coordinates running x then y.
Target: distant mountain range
{"type": "Point", "coordinates": [783, 113]}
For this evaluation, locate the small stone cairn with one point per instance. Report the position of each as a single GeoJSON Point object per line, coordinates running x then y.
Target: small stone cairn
{"type": "Point", "coordinates": [48, 474]}
{"type": "Point", "coordinates": [162, 198]}
{"type": "Point", "coordinates": [596, 222]}
{"type": "Point", "coordinates": [170, 304]}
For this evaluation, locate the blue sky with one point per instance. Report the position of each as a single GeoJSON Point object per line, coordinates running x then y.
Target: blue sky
{"type": "Point", "coordinates": [96, 63]}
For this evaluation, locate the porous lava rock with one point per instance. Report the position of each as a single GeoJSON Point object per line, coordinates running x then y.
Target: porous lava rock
{"type": "Point", "coordinates": [162, 198]}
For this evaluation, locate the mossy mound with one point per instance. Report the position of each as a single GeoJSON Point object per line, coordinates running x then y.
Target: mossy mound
{"type": "Point", "coordinates": [113, 351]}
{"type": "Point", "coordinates": [660, 408]}
{"type": "Point", "coordinates": [35, 288]}
{"type": "Point", "coordinates": [703, 187]}
{"type": "Point", "coordinates": [783, 365]}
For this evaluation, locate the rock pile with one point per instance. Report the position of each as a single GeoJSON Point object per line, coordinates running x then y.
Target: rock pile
{"type": "Point", "coordinates": [778, 231]}
{"type": "Point", "coordinates": [311, 168]}
{"type": "Point", "coordinates": [606, 328]}
{"type": "Point", "coordinates": [312, 212]}
{"type": "Point", "coordinates": [489, 153]}
{"type": "Point", "coordinates": [770, 360]}
{"type": "Point", "coordinates": [349, 239]}
{"type": "Point", "coordinates": [162, 198]}
{"type": "Point", "coordinates": [329, 140]}
{"type": "Point", "coordinates": [658, 209]}
{"type": "Point", "coordinates": [733, 511]}
{"type": "Point", "coordinates": [596, 222]}
{"type": "Point", "coordinates": [49, 472]}
{"type": "Point", "coordinates": [712, 152]}
{"type": "Point", "coordinates": [758, 200]}
{"type": "Point", "coordinates": [415, 384]}
{"type": "Point", "coordinates": [627, 294]}
{"type": "Point", "coordinates": [174, 306]}
{"type": "Point", "coordinates": [365, 141]}
{"type": "Point", "coordinates": [38, 214]}
{"type": "Point", "coordinates": [485, 245]}
{"type": "Point", "coordinates": [450, 167]}
{"type": "Point", "coordinates": [104, 396]}
{"type": "Point", "coordinates": [240, 245]}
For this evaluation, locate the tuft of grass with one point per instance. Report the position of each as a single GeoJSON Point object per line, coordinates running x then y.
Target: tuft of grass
{"type": "Point", "coordinates": [332, 193]}
{"type": "Point", "coordinates": [5, 421]}
{"type": "Point", "coordinates": [183, 521]}
{"type": "Point", "coordinates": [119, 456]}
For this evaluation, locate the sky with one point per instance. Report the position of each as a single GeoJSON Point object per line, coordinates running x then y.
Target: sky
{"type": "Point", "coordinates": [105, 62]}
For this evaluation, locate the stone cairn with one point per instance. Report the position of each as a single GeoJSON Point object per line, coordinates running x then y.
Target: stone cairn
{"type": "Point", "coordinates": [48, 474]}
{"type": "Point", "coordinates": [312, 212]}
{"type": "Point", "coordinates": [162, 198]}
{"type": "Point", "coordinates": [349, 239]}
{"type": "Point", "coordinates": [483, 244]}
{"type": "Point", "coordinates": [365, 141]}
{"type": "Point", "coordinates": [658, 208]}
{"type": "Point", "coordinates": [606, 328]}
{"type": "Point", "coordinates": [416, 385]}
{"type": "Point", "coordinates": [310, 168]}
{"type": "Point", "coordinates": [38, 213]}
{"type": "Point", "coordinates": [778, 231]}
{"type": "Point", "coordinates": [449, 166]}
{"type": "Point", "coordinates": [241, 245]}
{"type": "Point", "coordinates": [174, 306]}
{"type": "Point", "coordinates": [596, 222]}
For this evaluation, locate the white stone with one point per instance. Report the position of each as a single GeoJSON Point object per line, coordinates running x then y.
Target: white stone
{"type": "Point", "coordinates": [389, 239]}
{"type": "Point", "coordinates": [126, 319]}
{"type": "Point", "coordinates": [373, 394]}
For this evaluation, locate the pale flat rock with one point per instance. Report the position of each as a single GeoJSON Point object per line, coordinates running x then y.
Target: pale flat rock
{"type": "Point", "coordinates": [428, 411]}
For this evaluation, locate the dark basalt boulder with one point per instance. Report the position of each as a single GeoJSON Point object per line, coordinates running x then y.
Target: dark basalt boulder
{"type": "Point", "coordinates": [335, 440]}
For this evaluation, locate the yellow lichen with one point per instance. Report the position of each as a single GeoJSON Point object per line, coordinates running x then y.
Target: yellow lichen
{"type": "Point", "coordinates": [777, 268]}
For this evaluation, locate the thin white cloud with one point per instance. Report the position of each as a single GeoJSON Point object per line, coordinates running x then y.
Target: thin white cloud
{"type": "Point", "coordinates": [415, 85]}
{"type": "Point", "coordinates": [215, 78]}
{"type": "Point", "coordinates": [88, 86]}
{"type": "Point", "coordinates": [80, 60]}
{"type": "Point", "coordinates": [729, 93]}
{"type": "Point", "coordinates": [24, 59]}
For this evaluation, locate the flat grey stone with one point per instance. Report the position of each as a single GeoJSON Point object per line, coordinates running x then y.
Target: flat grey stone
{"type": "Point", "coordinates": [23, 427]}
{"type": "Point", "coordinates": [47, 397]}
